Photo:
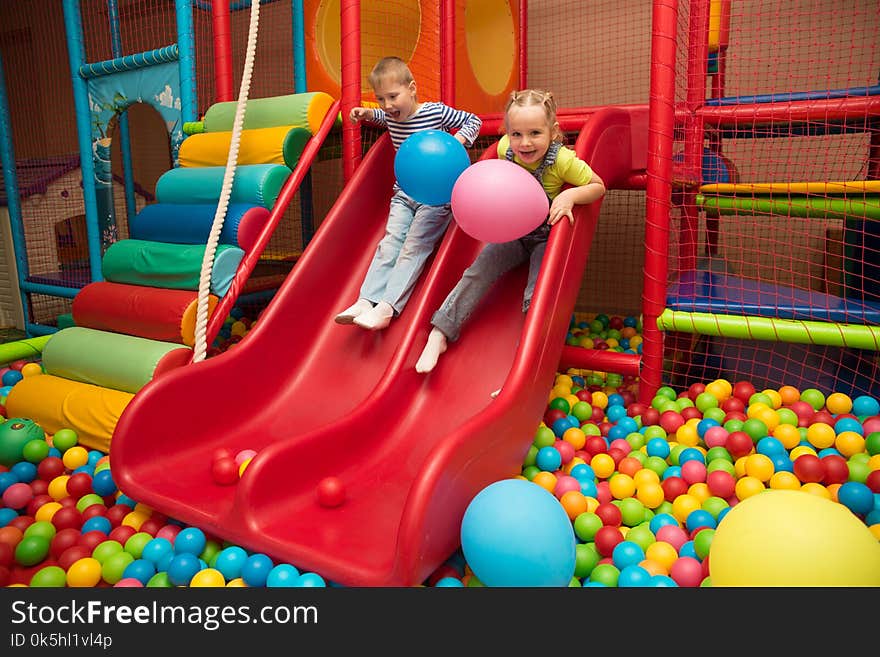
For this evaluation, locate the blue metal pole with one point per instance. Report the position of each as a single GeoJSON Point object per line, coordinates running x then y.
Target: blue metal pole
{"type": "Point", "coordinates": [76, 53]}
{"type": "Point", "coordinates": [299, 47]}
{"type": "Point", "coordinates": [124, 133]}
{"type": "Point", "coordinates": [186, 61]}
{"type": "Point", "coordinates": [10, 180]}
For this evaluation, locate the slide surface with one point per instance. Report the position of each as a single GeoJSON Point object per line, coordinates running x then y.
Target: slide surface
{"type": "Point", "coordinates": [316, 399]}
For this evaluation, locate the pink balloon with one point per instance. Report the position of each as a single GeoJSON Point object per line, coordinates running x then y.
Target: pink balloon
{"type": "Point", "coordinates": [498, 201]}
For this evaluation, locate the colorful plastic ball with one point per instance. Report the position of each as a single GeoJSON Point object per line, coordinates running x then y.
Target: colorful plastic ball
{"type": "Point", "coordinates": [519, 202]}
{"type": "Point", "coordinates": [330, 492]}
{"type": "Point", "coordinates": [449, 582]}
{"type": "Point", "coordinates": [633, 576]}
{"type": "Point", "coordinates": [256, 569]}
{"type": "Point", "coordinates": [865, 405]}
{"type": "Point", "coordinates": [517, 512]}
{"type": "Point", "coordinates": [310, 580]}
{"type": "Point", "coordinates": [428, 164]}
{"type": "Point", "coordinates": [230, 561]}
{"type": "Point", "coordinates": [97, 523]}
{"type": "Point", "coordinates": [627, 553]}
{"type": "Point", "coordinates": [191, 540]}
{"type": "Point", "coordinates": [157, 549]}
{"type": "Point", "coordinates": [64, 439]}
{"type": "Point", "coordinates": [857, 497]}
{"type": "Point", "coordinates": [224, 471]}
{"type": "Point", "coordinates": [140, 569]}
{"type": "Point", "coordinates": [687, 572]}
{"type": "Point", "coordinates": [84, 573]}
{"type": "Point", "coordinates": [182, 568]}
{"type": "Point", "coordinates": [282, 576]}
{"type": "Point", "coordinates": [788, 538]}
{"type": "Point", "coordinates": [49, 577]}
{"type": "Point", "coordinates": [103, 484]}
{"type": "Point", "coordinates": [206, 578]}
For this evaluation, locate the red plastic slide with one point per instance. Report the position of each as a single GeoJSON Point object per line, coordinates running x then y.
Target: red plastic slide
{"type": "Point", "coordinates": [315, 399]}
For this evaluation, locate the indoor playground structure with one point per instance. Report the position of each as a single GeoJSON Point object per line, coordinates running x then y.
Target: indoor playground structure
{"type": "Point", "coordinates": [708, 332]}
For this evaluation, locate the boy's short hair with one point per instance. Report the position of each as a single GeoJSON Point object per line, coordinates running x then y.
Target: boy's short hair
{"type": "Point", "coordinates": [391, 67]}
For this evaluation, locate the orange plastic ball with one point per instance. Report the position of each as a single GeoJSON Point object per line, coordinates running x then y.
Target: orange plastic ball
{"type": "Point", "coordinates": [789, 395]}
{"type": "Point", "coordinates": [574, 502]}
{"type": "Point", "coordinates": [603, 465]}
{"type": "Point", "coordinates": [838, 403]}
{"type": "Point", "coordinates": [748, 486]}
{"type": "Point", "coordinates": [546, 480]}
{"type": "Point", "coordinates": [621, 486]}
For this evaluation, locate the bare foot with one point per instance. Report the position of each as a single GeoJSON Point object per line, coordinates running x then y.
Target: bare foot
{"type": "Point", "coordinates": [494, 395]}
{"type": "Point", "coordinates": [348, 315]}
{"type": "Point", "coordinates": [376, 318]}
{"type": "Point", "coordinates": [435, 346]}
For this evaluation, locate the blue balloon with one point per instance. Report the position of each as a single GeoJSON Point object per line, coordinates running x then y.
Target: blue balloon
{"type": "Point", "coordinates": [427, 165]}
{"type": "Point", "coordinates": [515, 512]}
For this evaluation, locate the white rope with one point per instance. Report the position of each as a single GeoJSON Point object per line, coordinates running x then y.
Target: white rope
{"type": "Point", "coordinates": [200, 349]}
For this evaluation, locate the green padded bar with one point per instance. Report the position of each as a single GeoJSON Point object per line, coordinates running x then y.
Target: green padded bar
{"type": "Point", "coordinates": [193, 127]}
{"type": "Point", "coordinates": [293, 146]}
{"type": "Point", "coordinates": [110, 360]}
{"type": "Point", "coordinates": [305, 110]}
{"type": "Point", "coordinates": [254, 184]}
{"type": "Point", "coordinates": [171, 266]}
{"type": "Point", "coordinates": [795, 206]}
{"type": "Point", "coordinates": [27, 348]}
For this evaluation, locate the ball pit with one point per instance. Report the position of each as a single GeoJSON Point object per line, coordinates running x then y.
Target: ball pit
{"type": "Point", "coordinates": [648, 490]}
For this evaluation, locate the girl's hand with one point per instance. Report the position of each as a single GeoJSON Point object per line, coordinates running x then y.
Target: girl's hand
{"type": "Point", "coordinates": [359, 114]}
{"type": "Point", "coordinates": [561, 207]}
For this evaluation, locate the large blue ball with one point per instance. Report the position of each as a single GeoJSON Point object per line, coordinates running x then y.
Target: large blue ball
{"type": "Point", "coordinates": [427, 165]}
{"type": "Point", "coordinates": [515, 533]}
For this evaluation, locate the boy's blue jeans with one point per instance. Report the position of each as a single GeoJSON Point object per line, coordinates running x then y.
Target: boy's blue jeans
{"type": "Point", "coordinates": [492, 262]}
{"type": "Point", "coordinates": [411, 233]}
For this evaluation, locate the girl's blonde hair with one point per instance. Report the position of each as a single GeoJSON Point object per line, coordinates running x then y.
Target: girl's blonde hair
{"type": "Point", "coordinates": [529, 97]}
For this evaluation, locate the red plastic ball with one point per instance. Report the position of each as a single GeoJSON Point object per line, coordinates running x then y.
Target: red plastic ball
{"type": "Point", "coordinates": [122, 533]}
{"type": "Point", "coordinates": [836, 469]}
{"type": "Point", "coordinates": [603, 492]}
{"type": "Point", "coordinates": [636, 409]}
{"type": "Point", "coordinates": [116, 513]}
{"type": "Point", "coordinates": [824, 417]}
{"type": "Point", "coordinates": [606, 538]}
{"type": "Point", "coordinates": [552, 415]}
{"type": "Point", "coordinates": [39, 486]}
{"type": "Point", "coordinates": [224, 472]}
{"type": "Point", "coordinates": [595, 445]}
{"type": "Point", "coordinates": [743, 390]}
{"type": "Point", "coordinates": [687, 572]}
{"type": "Point", "coordinates": [79, 484]}
{"type": "Point", "coordinates": [21, 522]}
{"type": "Point", "coordinates": [62, 540]}
{"type": "Point", "coordinates": [721, 484]}
{"type": "Point", "coordinates": [152, 525]}
{"type": "Point", "coordinates": [67, 517]}
{"type": "Point", "coordinates": [733, 404]}
{"type": "Point", "coordinates": [93, 510]}
{"type": "Point", "coordinates": [73, 554]}
{"type": "Point", "coordinates": [809, 468]}
{"type": "Point", "coordinates": [7, 555]}
{"type": "Point", "coordinates": [50, 467]}
{"type": "Point", "coordinates": [691, 412]}
{"type": "Point", "coordinates": [650, 417]}
{"type": "Point", "coordinates": [695, 390]}
{"type": "Point", "coordinates": [37, 502]}
{"type": "Point", "coordinates": [671, 421]}
{"type": "Point", "coordinates": [738, 443]}
{"type": "Point", "coordinates": [609, 514]}
{"type": "Point", "coordinates": [673, 487]}
{"type": "Point", "coordinates": [330, 492]}
{"type": "Point", "coordinates": [584, 395]}
{"type": "Point", "coordinates": [91, 540]}
{"type": "Point", "coordinates": [872, 481]}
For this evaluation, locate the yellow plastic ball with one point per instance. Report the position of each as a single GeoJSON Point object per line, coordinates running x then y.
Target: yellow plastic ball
{"type": "Point", "coordinates": [748, 487]}
{"type": "Point", "coordinates": [683, 505]}
{"type": "Point", "coordinates": [592, 504]}
{"type": "Point", "coordinates": [821, 435]}
{"type": "Point", "coordinates": [787, 538]}
{"type": "Point", "coordinates": [603, 465]}
{"type": "Point", "coordinates": [31, 369]}
{"type": "Point", "coordinates": [700, 491]}
{"type": "Point", "coordinates": [757, 408]}
{"type": "Point", "coordinates": [244, 465]}
{"type": "Point", "coordinates": [663, 553]}
{"type": "Point", "coordinates": [134, 519]}
{"type": "Point", "coordinates": [646, 476]}
{"type": "Point", "coordinates": [838, 403]}
{"type": "Point", "coordinates": [47, 511]}
{"type": "Point", "coordinates": [774, 396]}
{"type": "Point", "coordinates": [849, 443]}
{"type": "Point", "coordinates": [650, 494]}
{"type": "Point", "coordinates": [208, 577]}
{"type": "Point", "coordinates": [770, 418]}
{"type": "Point", "coordinates": [621, 486]}
{"type": "Point", "coordinates": [238, 582]}
{"type": "Point", "coordinates": [739, 467]}
{"type": "Point", "coordinates": [874, 463]}
{"type": "Point", "coordinates": [57, 489]}
{"type": "Point", "coordinates": [560, 391]}
{"type": "Point", "coordinates": [788, 435]}
{"type": "Point", "coordinates": [783, 480]}
{"type": "Point", "coordinates": [74, 457]}
{"type": "Point", "coordinates": [718, 390]}
{"type": "Point", "coordinates": [875, 530]}
{"type": "Point", "coordinates": [600, 399]}
{"type": "Point", "coordinates": [814, 488]}
{"type": "Point", "coordinates": [575, 436]}
{"type": "Point", "coordinates": [546, 480]}
{"type": "Point", "coordinates": [759, 466]}
{"type": "Point", "coordinates": [564, 380]}
{"type": "Point", "coordinates": [687, 435]}
{"type": "Point", "coordinates": [577, 460]}
{"type": "Point", "coordinates": [571, 399]}
{"type": "Point", "coordinates": [800, 450]}
{"type": "Point", "coordinates": [84, 573]}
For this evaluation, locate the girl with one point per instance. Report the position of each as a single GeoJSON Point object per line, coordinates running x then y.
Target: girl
{"type": "Point", "coordinates": [533, 140]}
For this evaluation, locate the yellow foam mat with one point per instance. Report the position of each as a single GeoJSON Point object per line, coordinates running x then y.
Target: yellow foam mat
{"type": "Point", "coordinates": [257, 146]}
{"type": "Point", "coordinates": [56, 403]}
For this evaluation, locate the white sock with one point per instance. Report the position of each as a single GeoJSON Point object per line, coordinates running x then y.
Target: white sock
{"type": "Point", "coordinates": [377, 317]}
{"type": "Point", "coordinates": [348, 315]}
{"type": "Point", "coordinates": [495, 394]}
{"type": "Point", "coordinates": [435, 346]}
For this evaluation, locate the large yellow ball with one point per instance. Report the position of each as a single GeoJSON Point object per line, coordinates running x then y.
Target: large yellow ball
{"type": "Point", "coordinates": [792, 538]}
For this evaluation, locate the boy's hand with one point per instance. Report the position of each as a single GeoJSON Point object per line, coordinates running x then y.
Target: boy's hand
{"type": "Point", "coordinates": [460, 138]}
{"type": "Point", "coordinates": [359, 114]}
{"type": "Point", "coordinates": [561, 207]}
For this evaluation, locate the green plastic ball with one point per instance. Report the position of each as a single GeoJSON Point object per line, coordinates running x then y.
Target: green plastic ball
{"type": "Point", "coordinates": [106, 549]}
{"type": "Point", "coordinates": [872, 443]}
{"type": "Point", "coordinates": [35, 451]}
{"type": "Point", "coordinates": [586, 525]}
{"type": "Point", "coordinates": [31, 550]}
{"type": "Point", "coordinates": [114, 566]}
{"type": "Point", "coordinates": [605, 573]}
{"type": "Point", "coordinates": [544, 437]}
{"type": "Point", "coordinates": [586, 557]}
{"type": "Point", "coordinates": [160, 581]}
{"type": "Point", "coordinates": [814, 398]}
{"type": "Point", "coordinates": [50, 577]}
{"type": "Point", "coordinates": [64, 439]}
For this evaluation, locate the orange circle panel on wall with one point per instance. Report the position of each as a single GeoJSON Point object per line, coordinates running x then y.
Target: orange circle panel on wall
{"type": "Point", "coordinates": [407, 29]}
{"type": "Point", "coordinates": [487, 53]}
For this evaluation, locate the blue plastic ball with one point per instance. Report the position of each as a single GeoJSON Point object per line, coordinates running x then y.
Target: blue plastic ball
{"type": "Point", "coordinates": [103, 484]}
{"type": "Point", "coordinates": [661, 520]}
{"type": "Point", "coordinates": [182, 568]}
{"type": "Point", "coordinates": [515, 512]}
{"type": "Point", "coordinates": [633, 576]}
{"type": "Point", "coordinates": [311, 580]}
{"type": "Point", "coordinates": [691, 454]}
{"type": "Point", "coordinates": [627, 424]}
{"type": "Point", "coordinates": [230, 561]}
{"type": "Point", "coordinates": [191, 540]}
{"type": "Point", "coordinates": [627, 553]}
{"type": "Point", "coordinates": [450, 582]}
{"type": "Point", "coordinates": [769, 446]}
{"type": "Point", "coordinates": [589, 488]}
{"type": "Point", "coordinates": [282, 576]}
{"type": "Point", "coordinates": [849, 424]}
{"type": "Point", "coordinates": [7, 515]}
{"type": "Point", "coordinates": [25, 471]}
{"type": "Point", "coordinates": [583, 472]}
{"type": "Point", "coordinates": [427, 165]}
{"type": "Point", "coordinates": [548, 459]}
{"type": "Point", "coordinates": [865, 405]}
{"type": "Point", "coordinates": [11, 377]}
{"type": "Point", "coordinates": [255, 570]}
{"type": "Point", "coordinates": [658, 447]}
{"type": "Point", "coordinates": [662, 581]}
{"type": "Point", "coordinates": [856, 496]}
{"type": "Point", "coordinates": [97, 523]}
{"type": "Point", "coordinates": [700, 518]}
{"type": "Point", "coordinates": [156, 549]}
{"type": "Point", "coordinates": [687, 550]}
{"type": "Point", "coordinates": [141, 570]}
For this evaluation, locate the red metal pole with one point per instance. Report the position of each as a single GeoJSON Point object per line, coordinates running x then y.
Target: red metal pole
{"type": "Point", "coordinates": [661, 120]}
{"type": "Point", "coordinates": [222, 51]}
{"type": "Point", "coordinates": [523, 44]}
{"type": "Point", "coordinates": [350, 50]}
{"type": "Point", "coordinates": [447, 52]}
